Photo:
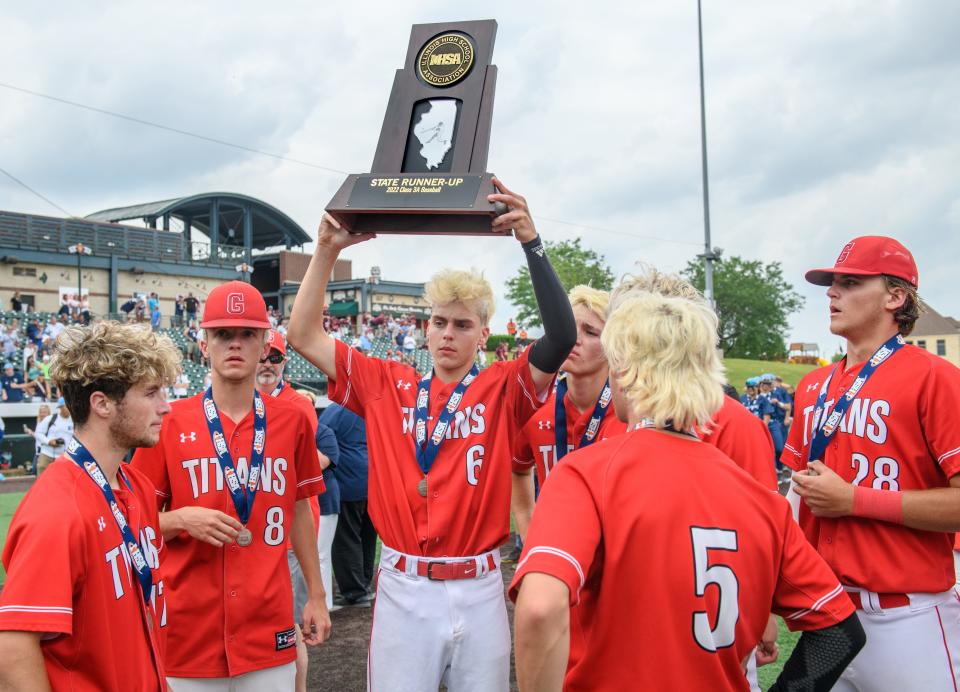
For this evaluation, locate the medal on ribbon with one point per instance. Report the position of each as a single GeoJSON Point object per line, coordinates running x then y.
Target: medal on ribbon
{"type": "Point", "coordinates": [242, 496]}
{"type": "Point", "coordinates": [427, 449]}
{"type": "Point", "coordinates": [82, 457]}
{"type": "Point", "coordinates": [824, 430]}
{"type": "Point", "coordinates": [560, 418]}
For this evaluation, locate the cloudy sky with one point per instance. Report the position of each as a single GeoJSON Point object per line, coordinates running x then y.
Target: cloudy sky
{"type": "Point", "coordinates": [825, 119]}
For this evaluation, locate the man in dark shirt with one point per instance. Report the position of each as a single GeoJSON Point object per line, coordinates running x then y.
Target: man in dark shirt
{"type": "Point", "coordinates": [12, 383]}
{"type": "Point", "coordinates": [191, 304]}
{"type": "Point", "coordinates": [355, 542]}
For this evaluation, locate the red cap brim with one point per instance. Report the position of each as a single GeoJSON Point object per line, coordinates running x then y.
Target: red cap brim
{"type": "Point", "coordinates": [235, 322]}
{"type": "Point", "coordinates": [824, 277]}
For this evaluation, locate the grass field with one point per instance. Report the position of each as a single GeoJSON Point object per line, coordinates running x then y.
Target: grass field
{"type": "Point", "coordinates": [8, 505]}
{"type": "Point", "coordinates": [739, 369]}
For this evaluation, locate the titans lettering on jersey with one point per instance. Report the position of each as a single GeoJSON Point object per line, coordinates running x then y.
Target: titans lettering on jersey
{"type": "Point", "coordinates": [469, 421]}
{"type": "Point", "coordinates": [866, 418]}
{"type": "Point", "coordinates": [206, 475]}
{"type": "Point", "coordinates": [123, 577]}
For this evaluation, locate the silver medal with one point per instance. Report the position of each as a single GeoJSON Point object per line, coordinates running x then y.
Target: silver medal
{"type": "Point", "coordinates": [244, 538]}
{"type": "Point", "coordinates": [422, 487]}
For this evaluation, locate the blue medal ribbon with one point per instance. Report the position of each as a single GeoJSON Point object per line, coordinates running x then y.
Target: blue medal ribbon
{"type": "Point", "coordinates": [277, 389]}
{"type": "Point", "coordinates": [243, 497]}
{"type": "Point", "coordinates": [427, 449]}
{"type": "Point", "coordinates": [825, 429]}
{"type": "Point", "coordinates": [82, 457]}
{"type": "Point", "coordinates": [560, 418]}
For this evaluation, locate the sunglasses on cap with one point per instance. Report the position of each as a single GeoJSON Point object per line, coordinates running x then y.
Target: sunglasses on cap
{"type": "Point", "coordinates": [275, 358]}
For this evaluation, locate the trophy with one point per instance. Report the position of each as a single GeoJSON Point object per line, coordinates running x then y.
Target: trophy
{"type": "Point", "coordinates": [429, 172]}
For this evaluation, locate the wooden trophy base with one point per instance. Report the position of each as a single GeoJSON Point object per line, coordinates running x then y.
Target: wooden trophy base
{"type": "Point", "coordinates": [416, 203]}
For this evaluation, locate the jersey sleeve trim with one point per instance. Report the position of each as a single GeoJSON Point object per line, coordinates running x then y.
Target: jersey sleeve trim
{"type": "Point", "coordinates": [52, 610]}
{"type": "Point", "coordinates": [946, 455]}
{"type": "Point", "coordinates": [817, 606]}
{"type": "Point", "coordinates": [307, 481]}
{"type": "Point", "coordinates": [557, 563]}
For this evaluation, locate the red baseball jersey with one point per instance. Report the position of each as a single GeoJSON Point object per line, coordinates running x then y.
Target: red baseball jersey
{"type": "Point", "coordinates": [232, 605]}
{"type": "Point", "coordinates": [69, 575]}
{"type": "Point", "coordinates": [676, 557]}
{"type": "Point", "coordinates": [899, 433]}
{"type": "Point", "coordinates": [536, 445]}
{"type": "Point", "coordinates": [744, 438]}
{"type": "Point", "coordinates": [304, 404]}
{"type": "Point", "coordinates": [467, 507]}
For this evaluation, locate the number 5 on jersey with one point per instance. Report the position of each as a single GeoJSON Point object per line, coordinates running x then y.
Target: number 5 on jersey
{"type": "Point", "coordinates": [723, 577]}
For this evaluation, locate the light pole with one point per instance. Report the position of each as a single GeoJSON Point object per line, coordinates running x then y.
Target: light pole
{"type": "Point", "coordinates": [709, 254]}
{"type": "Point", "coordinates": [79, 250]}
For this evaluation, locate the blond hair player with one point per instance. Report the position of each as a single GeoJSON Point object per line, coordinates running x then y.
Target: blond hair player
{"type": "Point", "coordinates": [439, 471]}
{"type": "Point", "coordinates": [674, 554]}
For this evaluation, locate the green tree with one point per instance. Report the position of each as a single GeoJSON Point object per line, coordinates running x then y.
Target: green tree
{"type": "Point", "coordinates": [753, 303]}
{"type": "Point", "coordinates": [575, 265]}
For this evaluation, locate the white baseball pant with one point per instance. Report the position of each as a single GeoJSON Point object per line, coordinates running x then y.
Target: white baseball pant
{"type": "Point", "coordinates": [427, 632]}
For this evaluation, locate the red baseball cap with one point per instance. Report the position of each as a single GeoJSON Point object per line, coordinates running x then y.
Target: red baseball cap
{"type": "Point", "coordinates": [276, 342]}
{"type": "Point", "coordinates": [870, 255]}
{"type": "Point", "coordinates": [235, 304]}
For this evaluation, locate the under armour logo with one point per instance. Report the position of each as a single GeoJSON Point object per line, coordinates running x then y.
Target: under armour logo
{"type": "Point", "coordinates": [545, 424]}
{"type": "Point", "coordinates": [184, 437]}
{"type": "Point", "coordinates": [404, 385]}
{"type": "Point", "coordinates": [235, 303]}
{"type": "Point", "coordinates": [812, 386]}
{"type": "Point", "coordinates": [101, 524]}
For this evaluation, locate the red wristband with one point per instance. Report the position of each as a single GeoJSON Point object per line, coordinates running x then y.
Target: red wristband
{"type": "Point", "coordinates": [885, 505]}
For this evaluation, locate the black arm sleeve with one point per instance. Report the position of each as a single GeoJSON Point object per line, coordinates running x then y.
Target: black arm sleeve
{"type": "Point", "coordinates": [559, 327]}
{"type": "Point", "coordinates": [820, 657]}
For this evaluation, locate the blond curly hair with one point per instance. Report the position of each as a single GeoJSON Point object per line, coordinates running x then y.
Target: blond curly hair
{"type": "Point", "coordinates": [593, 299]}
{"type": "Point", "coordinates": [651, 280]}
{"type": "Point", "coordinates": [454, 285]}
{"type": "Point", "coordinates": [109, 357]}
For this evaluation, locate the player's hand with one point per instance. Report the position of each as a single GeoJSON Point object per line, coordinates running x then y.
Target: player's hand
{"type": "Point", "coordinates": [323, 459]}
{"type": "Point", "coordinates": [316, 622]}
{"type": "Point", "coordinates": [824, 492]}
{"type": "Point", "coordinates": [768, 650]}
{"type": "Point", "coordinates": [209, 525]}
{"type": "Point", "coordinates": [517, 217]}
{"type": "Point", "coordinates": [334, 235]}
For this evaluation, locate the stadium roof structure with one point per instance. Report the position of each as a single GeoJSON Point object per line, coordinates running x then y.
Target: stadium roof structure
{"type": "Point", "coordinates": [225, 217]}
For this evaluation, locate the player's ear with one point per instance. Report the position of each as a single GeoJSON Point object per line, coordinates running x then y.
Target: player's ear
{"type": "Point", "coordinates": [896, 297]}
{"type": "Point", "coordinates": [101, 405]}
{"type": "Point", "coordinates": [484, 335]}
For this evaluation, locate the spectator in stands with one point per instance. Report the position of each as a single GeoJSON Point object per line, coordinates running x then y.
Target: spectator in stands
{"type": "Point", "coordinates": [11, 341]}
{"type": "Point", "coordinates": [355, 541]}
{"type": "Point", "coordinates": [65, 306]}
{"type": "Point", "coordinates": [177, 312]}
{"type": "Point", "coordinates": [16, 304]}
{"type": "Point", "coordinates": [45, 371]}
{"type": "Point", "coordinates": [35, 332]}
{"type": "Point", "coordinates": [12, 383]}
{"type": "Point", "coordinates": [191, 305]}
{"type": "Point", "coordinates": [207, 380]}
{"type": "Point", "coordinates": [409, 344]}
{"type": "Point", "coordinates": [191, 345]}
{"type": "Point", "coordinates": [153, 303]}
{"type": "Point", "coordinates": [51, 332]}
{"type": "Point", "coordinates": [53, 435]}
{"type": "Point", "coordinates": [365, 344]}
{"type": "Point", "coordinates": [129, 306]}
{"type": "Point", "coordinates": [36, 386]}
{"type": "Point", "coordinates": [181, 386]}
{"type": "Point", "coordinates": [85, 317]}
{"type": "Point", "coordinates": [43, 412]}
{"type": "Point", "coordinates": [140, 311]}
{"type": "Point", "coordinates": [282, 327]}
